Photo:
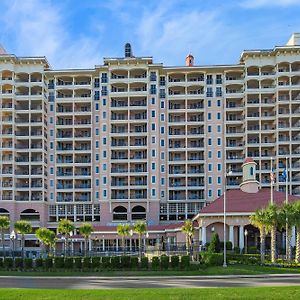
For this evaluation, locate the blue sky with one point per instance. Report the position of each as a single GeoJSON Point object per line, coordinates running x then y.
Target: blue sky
{"type": "Point", "coordinates": [79, 33]}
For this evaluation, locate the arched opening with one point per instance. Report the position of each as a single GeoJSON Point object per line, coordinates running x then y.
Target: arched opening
{"type": "Point", "coordinates": [30, 215]}
{"type": "Point", "coordinates": [4, 212]}
{"type": "Point", "coordinates": [120, 213]}
{"type": "Point", "coordinates": [138, 213]}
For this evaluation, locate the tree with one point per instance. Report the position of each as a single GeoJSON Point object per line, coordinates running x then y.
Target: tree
{"type": "Point", "coordinates": [65, 228]}
{"type": "Point", "coordinates": [188, 229]}
{"type": "Point", "coordinates": [140, 228]}
{"type": "Point", "coordinates": [272, 220]}
{"type": "Point", "coordinates": [259, 220]}
{"type": "Point", "coordinates": [296, 206]}
{"type": "Point", "coordinates": [86, 230]}
{"type": "Point", "coordinates": [214, 245]}
{"type": "Point", "coordinates": [47, 237]}
{"type": "Point", "coordinates": [23, 227]}
{"type": "Point", "coordinates": [123, 230]}
{"type": "Point", "coordinates": [4, 225]}
{"type": "Point", "coordinates": [286, 221]}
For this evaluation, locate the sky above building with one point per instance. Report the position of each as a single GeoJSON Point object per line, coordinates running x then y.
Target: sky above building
{"type": "Point", "coordinates": [78, 34]}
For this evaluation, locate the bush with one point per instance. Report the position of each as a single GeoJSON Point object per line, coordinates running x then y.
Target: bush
{"type": "Point", "coordinates": [77, 263]}
{"type": "Point", "coordinates": [59, 262]}
{"type": "Point", "coordinates": [125, 262]}
{"type": "Point", "coordinates": [253, 250]}
{"type": "Point", "coordinates": [144, 263]}
{"type": "Point", "coordinates": [48, 263]}
{"type": "Point", "coordinates": [214, 245]}
{"type": "Point", "coordinates": [115, 262]}
{"type": "Point", "coordinates": [185, 262]}
{"type": "Point", "coordinates": [228, 246]}
{"type": "Point", "coordinates": [212, 259]}
{"type": "Point", "coordinates": [68, 263]}
{"type": "Point", "coordinates": [236, 250]}
{"type": "Point", "coordinates": [87, 264]}
{"type": "Point", "coordinates": [134, 262]}
{"type": "Point", "coordinates": [155, 263]}
{"type": "Point", "coordinates": [39, 263]}
{"type": "Point", "coordinates": [164, 262]}
{"type": "Point", "coordinates": [175, 262]}
{"type": "Point", "coordinates": [1, 262]}
{"type": "Point", "coordinates": [106, 262]}
{"type": "Point", "coordinates": [8, 263]}
{"type": "Point", "coordinates": [19, 263]}
{"type": "Point", "coordinates": [244, 258]}
{"type": "Point", "coordinates": [28, 263]}
{"type": "Point", "coordinates": [96, 262]}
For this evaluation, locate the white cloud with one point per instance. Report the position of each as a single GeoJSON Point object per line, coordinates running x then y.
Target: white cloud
{"type": "Point", "coordinates": [269, 3]}
{"type": "Point", "coordinates": [39, 29]}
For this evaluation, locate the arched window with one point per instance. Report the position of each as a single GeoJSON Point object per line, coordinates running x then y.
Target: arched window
{"type": "Point", "coordinates": [30, 215]}
{"type": "Point", "coordinates": [138, 213]}
{"type": "Point", "coordinates": [120, 213]}
{"type": "Point", "coordinates": [251, 171]}
{"type": "Point", "coordinates": [4, 212]}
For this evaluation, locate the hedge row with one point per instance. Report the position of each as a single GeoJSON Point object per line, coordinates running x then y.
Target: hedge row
{"type": "Point", "coordinates": [97, 263]}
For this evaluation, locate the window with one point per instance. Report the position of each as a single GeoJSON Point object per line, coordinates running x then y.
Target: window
{"type": "Point", "coordinates": [97, 119]}
{"type": "Point", "coordinates": [162, 155]}
{"type": "Point", "coordinates": [209, 141]}
{"type": "Point", "coordinates": [51, 171]}
{"type": "Point", "coordinates": [219, 92]}
{"type": "Point", "coordinates": [104, 114]}
{"type": "Point", "coordinates": [97, 95]}
{"type": "Point", "coordinates": [162, 130]}
{"type": "Point", "coordinates": [219, 116]}
{"type": "Point", "coordinates": [219, 128]}
{"type": "Point", "coordinates": [219, 154]}
{"type": "Point", "coordinates": [104, 141]}
{"type": "Point", "coordinates": [51, 107]}
{"type": "Point", "coordinates": [104, 193]}
{"type": "Point", "coordinates": [152, 76]}
{"type": "Point", "coordinates": [153, 153]}
{"type": "Point", "coordinates": [153, 126]}
{"type": "Point", "coordinates": [104, 154]}
{"type": "Point", "coordinates": [162, 117]}
{"type": "Point", "coordinates": [51, 145]}
{"type": "Point", "coordinates": [209, 180]}
{"type": "Point", "coordinates": [153, 101]}
{"type": "Point", "coordinates": [153, 89]}
{"type": "Point", "coordinates": [153, 179]}
{"type": "Point", "coordinates": [51, 157]}
{"type": "Point", "coordinates": [153, 140]}
{"type": "Point", "coordinates": [219, 167]}
{"type": "Point", "coordinates": [97, 156]}
{"type": "Point", "coordinates": [209, 154]}
{"type": "Point", "coordinates": [162, 193]}
{"type": "Point", "coordinates": [162, 104]}
{"type": "Point", "coordinates": [162, 168]}
{"type": "Point", "coordinates": [153, 166]}
{"type": "Point", "coordinates": [209, 116]}
{"type": "Point", "coordinates": [219, 141]}
{"type": "Point", "coordinates": [153, 192]}
{"type": "Point", "coordinates": [103, 102]}
{"type": "Point", "coordinates": [219, 180]}
{"type": "Point", "coordinates": [162, 180]}
{"type": "Point", "coordinates": [209, 103]}
{"type": "Point", "coordinates": [209, 167]}
{"type": "Point", "coordinates": [97, 144]}
{"type": "Point", "coordinates": [97, 195]}
{"type": "Point", "coordinates": [162, 142]}
{"type": "Point", "coordinates": [51, 182]}
{"type": "Point", "coordinates": [153, 113]}
{"type": "Point", "coordinates": [51, 120]}
{"type": "Point", "coordinates": [97, 131]}
{"type": "Point", "coordinates": [97, 106]}
{"type": "Point", "coordinates": [104, 167]}
{"type": "Point", "coordinates": [219, 103]}
{"type": "Point", "coordinates": [209, 92]}
{"type": "Point", "coordinates": [104, 128]}
{"type": "Point", "coordinates": [97, 170]}
{"type": "Point", "coordinates": [209, 128]}
{"type": "Point", "coordinates": [51, 196]}
{"type": "Point", "coordinates": [219, 79]}
{"type": "Point", "coordinates": [251, 171]}
{"type": "Point", "coordinates": [97, 182]}
{"type": "Point", "coordinates": [219, 192]}
{"type": "Point", "coordinates": [104, 180]}
{"type": "Point", "coordinates": [51, 132]}
{"type": "Point", "coordinates": [209, 79]}
{"type": "Point", "coordinates": [210, 193]}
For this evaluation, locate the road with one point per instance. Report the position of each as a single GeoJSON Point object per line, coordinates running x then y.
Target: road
{"type": "Point", "coordinates": [147, 282]}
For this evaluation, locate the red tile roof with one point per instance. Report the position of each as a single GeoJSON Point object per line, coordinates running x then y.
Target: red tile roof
{"type": "Point", "coordinates": [248, 159]}
{"type": "Point", "coordinates": [238, 201]}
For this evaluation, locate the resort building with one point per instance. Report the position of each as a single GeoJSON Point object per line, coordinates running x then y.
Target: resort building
{"type": "Point", "coordinates": [132, 139]}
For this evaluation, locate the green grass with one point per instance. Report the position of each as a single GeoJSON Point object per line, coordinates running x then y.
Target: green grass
{"type": "Point", "coordinates": [231, 270]}
{"type": "Point", "coordinates": [291, 292]}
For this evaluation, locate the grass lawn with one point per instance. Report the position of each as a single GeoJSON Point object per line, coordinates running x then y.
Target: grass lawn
{"type": "Point", "coordinates": [218, 270]}
{"type": "Point", "coordinates": [291, 292]}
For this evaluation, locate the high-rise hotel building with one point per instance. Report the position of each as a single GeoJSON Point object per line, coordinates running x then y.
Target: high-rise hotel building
{"type": "Point", "coordinates": [133, 139]}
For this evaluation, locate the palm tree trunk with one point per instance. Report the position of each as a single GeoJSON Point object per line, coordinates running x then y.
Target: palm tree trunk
{"type": "Point", "coordinates": [2, 240]}
{"type": "Point", "coordinates": [262, 245]}
{"type": "Point", "coordinates": [297, 257]}
{"type": "Point", "coordinates": [66, 246]}
{"type": "Point", "coordinates": [23, 244]}
{"type": "Point", "coordinates": [123, 244]}
{"type": "Point", "coordinates": [140, 245]}
{"type": "Point", "coordinates": [273, 244]}
{"type": "Point", "coordinates": [288, 244]}
{"type": "Point", "coordinates": [85, 246]}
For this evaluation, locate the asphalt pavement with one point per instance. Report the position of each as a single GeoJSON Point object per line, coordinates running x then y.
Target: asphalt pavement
{"type": "Point", "coordinates": [148, 282]}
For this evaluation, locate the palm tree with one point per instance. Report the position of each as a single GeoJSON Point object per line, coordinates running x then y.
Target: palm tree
{"type": "Point", "coordinates": [65, 228]}
{"type": "Point", "coordinates": [4, 225]}
{"type": "Point", "coordinates": [297, 223]}
{"type": "Point", "coordinates": [123, 230]}
{"type": "Point", "coordinates": [47, 237]}
{"type": "Point", "coordinates": [140, 228]}
{"type": "Point", "coordinates": [272, 220]}
{"type": "Point", "coordinates": [188, 229]}
{"type": "Point", "coordinates": [259, 220]}
{"type": "Point", "coordinates": [86, 230]}
{"type": "Point", "coordinates": [23, 227]}
{"type": "Point", "coordinates": [286, 221]}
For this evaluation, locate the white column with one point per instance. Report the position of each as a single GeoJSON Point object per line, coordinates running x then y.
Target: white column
{"type": "Point", "coordinates": [90, 245]}
{"type": "Point", "coordinates": [231, 235]}
{"type": "Point", "coordinates": [117, 244]}
{"type": "Point", "coordinates": [203, 235]}
{"type": "Point", "coordinates": [241, 237]}
{"type": "Point", "coordinates": [293, 237]}
{"type": "Point", "coordinates": [103, 244]}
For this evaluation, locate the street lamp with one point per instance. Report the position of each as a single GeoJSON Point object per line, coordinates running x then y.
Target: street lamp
{"type": "Point", "coordinates": [224, 221]}
{"type": "Point", "coordinates": [13, 238]}
{"type": "Point", "coordinates": [246, 235]}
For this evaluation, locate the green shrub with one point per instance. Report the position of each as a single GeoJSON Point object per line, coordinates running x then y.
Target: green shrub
{"type": "Point", "coordinates": [144, 263]}
{"type": "Point", "coordinates": [59, 262]}
{"type": "Point", "coordinates": [245, 258]}
{"type": "Point", "coordinates": [134, 262]}
{"type": "Point", "coordinates": [175, 262]}
{"type": "Point", "coordinates": [28, 263]}
{"type": "Point", "coordinates": [1, 262]}
{"type": "Point", "coordinates": [19, 263]}
{"type": "Point", "coordinates": [155, 263]}
{"type": "Point", "coordinates": [39, 263]}
{"type": "Point", "coordinates": [228, 246]}
{"type": "Point", "coordinates": [8, 263]}
{"type": "Point", "coordinates": [125, 262]}
{"type": "Point", "coordinates": [68, 263]}
{"type": "Point", "coordinates": [106, 262]}
{"type": "Point", "coordinates": [185, 262]}
{"type": "Point", "coordinates": [253, 250]}
{"type": "Point", "coordinates": [48, 263]}
{"type": "Point", "coordinates": [77, 263]}
{"type": "Point", "coordinates": [115, 262]}
{"type": "Point", "coordinates": [87, 263]}
{"type": "Point", "coordinates": [236, 250]}
{"type": "Point", "coordinates": [96, 262]}
{"type": "Point", "coordinates": [214, 245]}
{"type": "Point", "coordinates": [164, 262]}
{"type": "Point", "coordinates": [212, 259]}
